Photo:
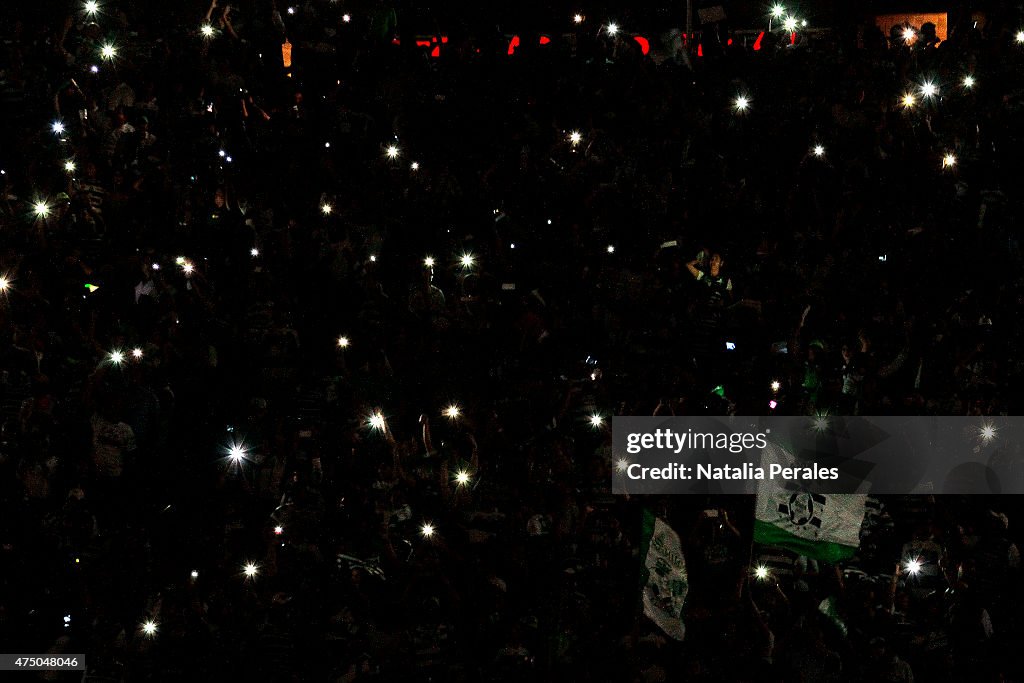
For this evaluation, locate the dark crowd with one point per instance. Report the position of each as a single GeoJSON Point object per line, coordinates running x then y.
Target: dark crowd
{"type": "Point", "coordinates": [314, 319]}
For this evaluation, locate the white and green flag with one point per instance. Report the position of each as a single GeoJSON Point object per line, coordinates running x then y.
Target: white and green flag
{"type": "Point", "coordinates": [821, 526]}
{"type": "Point", "coordinates": [664, 576]}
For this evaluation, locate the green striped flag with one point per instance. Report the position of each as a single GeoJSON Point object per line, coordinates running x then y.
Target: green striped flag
{"type": "Point", "coordinates": [665, 582]}
{"type": "Point", "coordinates": [821, 526]}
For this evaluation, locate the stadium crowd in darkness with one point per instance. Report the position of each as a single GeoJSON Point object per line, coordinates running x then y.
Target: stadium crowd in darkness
{"type": "Point", "coordinates": [607, 277]}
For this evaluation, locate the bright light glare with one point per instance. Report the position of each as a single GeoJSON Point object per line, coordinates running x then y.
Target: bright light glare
{"type": "Point", "coordinates": [577, 18]}
{"type": "Point", "coordinates": [136, 353]}
{"type": "Point", "coordinates": [343, 342]}
{"type": "Point", "coordinates": [819, 151]}
{"type": "Point", "coordinates": [392, 152]}
{"type": "Point", "coordinates": [326, 209]}
{"type": "Point", "coordinates": [254, 252]}
{"type": "Point", "coordinates": [742, 103]}
{"type": "Point", "coordinates": [278, 530]}
{"type": "Point", "coordinates": [466, 260]}
{"type": "Point", "coordinates": [427, 530]}
{"type": "Point", "coordinates": [575, 137]}
{"type": "Point", "coordinates": [776, 385]}
{"type": "Point", "coordinates": [462, 477]}
{"type": "Point", "coordinates": [908, 100]}
{"type": "Point", "coordinates": [968, 82]}
{"type": "Point", "coordinates": [251, 570]}
{"type": "Point", "coordinates": [149, 628]}
{"type": "Point", "coordinates": [69, 166]}
{"type": "Point", "coordinates": [987, 432]}
{"type": "Point", "coordinates": [236, 452]}
{"type": "Point", "coordinates": [929, 89]}
{"type": "Point", "coordinates": [790, 24]}
{"type": "Point", "coordinates": [188, 268]}
{"type": "Point", "coordinates": [596, 421]}
{"type": "Point", "coordinates": [92, 7]}
{"type": "Point", "coordinates": [42, 209]}
{"type": "Point", "coordinates": [908, 34]}
{"type": "Point", "coordinates": [913, 566]}
{"type": "Point", "coordinates": [116, 357]}
{"type": "Point", "coordinates": [57, 127]}
{"type": "Point", "coordinates": [452, 411]}
{"type": "Point", "coordinates": [429, 262]}
{"type": "Point", "coordinates": [108, 51]}
{"type": "Point", "coordinates": [207, 30]}
{"type": "Point", "coordinates": [622, 465]}
{"type": "Point", "coordinates": [613, 29]}
{"type": "Point", "coordinates": [415, 165]}
{"type": "Point", "coordinates": [778, 11]}
{"type": "Point", "coordinates": [1020, 36]}
{"type": "Point", "coordinates": [377, 421]}
{"type": "Point", "coordinates": [346, 18]}
{"type": "Point", "coordinates": [5, 284]}
{"type": "Point", "coordinates": [949, 161]}
{"type": "Point", "coordinates": [610, 249]}
{"type": "Point", "coordinates": [761, 572]}
{"type": "Point", "coordinates": [195, 574]}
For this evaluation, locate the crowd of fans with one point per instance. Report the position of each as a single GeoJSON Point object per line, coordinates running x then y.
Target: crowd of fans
{"type": "Point", "coordinates": [248, 270]}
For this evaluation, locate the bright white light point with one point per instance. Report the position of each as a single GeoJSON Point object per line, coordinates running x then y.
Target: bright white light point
{"type": "Point", "coordinates": [42, 209]}
{"type": "Point", "coordinates": [254, 252]}
{"type": "Point", "coordinates": [462, 477]}
{"type": "Point", "coordinates": [346, 18]}
{"type": "Point", "coordinates": [908, 34]}
{"type": "Point", "coordinates": [373, 259]}
{"type": "Point", "coordinates": [207, 30]}
{"type": "Point", "coordinates": [949, 161]}
{"type": "Point", "coordinates": [968, 81]}
{"type": "Point", "coordinates": [427, 530]}
{"type": "Point", "coordinates": [611, 249]}
{"type": "Point", "coordinates": [222, 153]}
{"type": "Point", "coordinates": [577, 18]}
{"type": "Point", "coordinates": [155, 266]}
{"type": "Point", "coordinates": [4, 284]}
{"type": "Point", "coordinates": [188, 268]}
{"type": "Point", "coordinates": [575, 137]}
{"type": "Point", "coordinates": [327, 145]}
{"type": "Point", "coordinates": [69, 166]}
{"type": "Point", "coordinates": [180, 260]}
{"type": "Point", "coordinates": [613, 29]}
{"type": "Point", "coordinates": [742, 103]}
{"type": "Point", "coordinates": [819, 151]}
{"type": "Point", "coordinates": [1020, 36]}
{"type": "Point", "coordinates": [57, 127]}
{"type": "Point", "coordinates": [596, 421]}
{"type": "Point", "coordinates": [415, 165]}
{"type": "Point", "coordinates": [228, 159]}
{"type": "Point", "coordinates": [92, 7]}
{"type": "Point", "coordinates": [291, 10]}
{"type": "Point", "coordinates": [429, 262]}
{"type": "Point", "coordinates": [452, 411]}
{"type": "Point", "coordinates": [909, 100]}
{"type": "Point", "coordinates": [790, 24]}
{"type": "Point", "coordinates": [761, 572]}
{"type": "Point", "coordinates": [236, 452]}
{"type": "Point", "coordinates": [820, 423]}
{"type": "Point", "coordinates": [777, 11]}
{"type": "Point", "coordinates": [278, 530]}
{"type": "Point", "coordinates": [136, 352]}
{"type": "Point", "coordinates": [392, 152]}
{"type": "Point", "coordinates": [250, 570]}
{"type": "Point", "coordinates": [929, 89]}
{"type": "Point", "coordinates": [987, 432]}
{"type": "Point", "coordinates": [343, 342]}
{"type": "Point", "coordinates": [622, 465]}
{"type": "Point", "coordinates": [194, 574]}
{"type": "Point", "coordinates": [776, 385]}
{"type": "Point", "coordinates": [149, 628]}
{"type": "Point", "coordinates": [803, 23]}
{"type": "Point", "coordinates": [466, 260]}
{"type": "Point", "coordinates": [94, 69]}
{"type": "Point", "coordinates": [326, 209]}
{"type": "Point", "coordinates": [512, 246]}
{"type": "Point", "coordinates": [116, 357]}
{"type": "Point", "coordinates": [108, 51]}
{"type": "Point", "coordinates": [913, 566]}
{"type": "Point", "coordinates": [377, 421]}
